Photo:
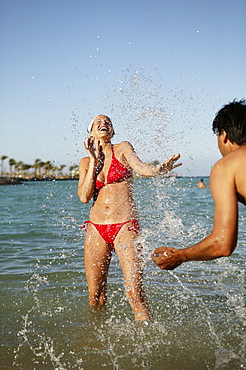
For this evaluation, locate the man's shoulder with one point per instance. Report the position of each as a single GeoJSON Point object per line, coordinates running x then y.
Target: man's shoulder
{"type": "Point", "coordinates": [224, 169]}
{"type": "Point", "coordinates": [219, 164]}
{"type": "Point", "coordinates": [230, 173]}
{"type": "Point", "coordinates": [234, 158]}
{"type": "Point", "coordinates": [235, 161]}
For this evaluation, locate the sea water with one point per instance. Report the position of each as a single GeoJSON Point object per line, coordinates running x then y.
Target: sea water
{"type": "Point", "coordinates": [46, 322]}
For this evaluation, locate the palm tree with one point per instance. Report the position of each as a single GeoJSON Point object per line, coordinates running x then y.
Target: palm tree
{"type": "Point", "coordinates": [36, 166]}
{"type": "Point", "coordinates": [12, 162]}
{"type": "Point", "coordinates": [73, 170]}
{"type": "Point", "coordinates": [60, 169]}
{"type": "Point", "coordinates": [17, 167]}
{"type": "Point", "coordinates": [40, 166]}
{"type": "Point", "coordinates": [154, 163]}
{"type": "Point", "coordinates": [53, 169]}
{"type": "Point", "coordinates": [2, 159]}
{"type": "Point", "coordinates": [25, 167]}
{"type": "Point", "coordinates": [47, 167]}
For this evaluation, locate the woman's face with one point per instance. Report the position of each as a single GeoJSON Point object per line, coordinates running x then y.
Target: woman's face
{"type": "Point", "coordinates": [102, 126]}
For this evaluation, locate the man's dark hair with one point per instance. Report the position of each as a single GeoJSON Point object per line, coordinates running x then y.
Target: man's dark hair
{"type": "Point", "coordinates": [232, 119]}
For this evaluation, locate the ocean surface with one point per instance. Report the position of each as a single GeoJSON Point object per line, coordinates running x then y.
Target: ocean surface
{"type": "Point", "coordinates": [46, 323]}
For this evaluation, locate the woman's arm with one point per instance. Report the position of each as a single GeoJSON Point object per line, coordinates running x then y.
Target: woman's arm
{"type": "Point", "coordinates": [143, 168]}
{"type": "Point", "coordinates": [87, 175]}
{"type": "Point", "coordinates": [89, 169]}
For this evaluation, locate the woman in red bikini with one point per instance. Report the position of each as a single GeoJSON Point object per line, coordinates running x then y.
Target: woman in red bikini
{"type": "Point", "coordinates": [106, 176]}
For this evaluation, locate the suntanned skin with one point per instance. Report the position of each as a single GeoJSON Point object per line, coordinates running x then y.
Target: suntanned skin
{"type": "Point", "coordinates": [114, 204]}
{"type": "Point", "coordinates": [201, 184]}
{"type": "Point", "coordinates": [228, 187]}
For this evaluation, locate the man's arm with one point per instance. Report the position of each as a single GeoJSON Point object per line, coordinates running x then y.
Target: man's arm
{"type": "Point", "coordinates": [223, 238]}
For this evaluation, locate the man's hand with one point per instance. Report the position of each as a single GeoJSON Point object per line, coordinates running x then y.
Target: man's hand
{"type": "Point", "coordinates": [167, 258]}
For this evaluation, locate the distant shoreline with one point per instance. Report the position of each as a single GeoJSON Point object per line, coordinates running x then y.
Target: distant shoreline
{"type": "Point", "coordinates": [17, 180]}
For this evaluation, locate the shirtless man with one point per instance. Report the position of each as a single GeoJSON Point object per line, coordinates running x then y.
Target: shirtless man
{"type": "Point", "coordinates": [228, 186]}
{"type": "Point", "coordinates": [201, 184]}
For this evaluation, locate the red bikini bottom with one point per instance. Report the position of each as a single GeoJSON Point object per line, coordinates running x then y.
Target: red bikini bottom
{"type": "Point", "coordinates": [109, 231]}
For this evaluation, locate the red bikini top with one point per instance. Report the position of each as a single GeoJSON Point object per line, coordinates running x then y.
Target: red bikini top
{"type": "Point", "coordinates": [117, 172]}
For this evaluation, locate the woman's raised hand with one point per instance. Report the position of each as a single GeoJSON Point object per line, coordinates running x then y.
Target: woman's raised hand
{"type": "Point", "coordinates": [90, 147]}
{"type": "Point", "coordinates": [94, 150]}
{"type": "Point", "coordinates": [168, 165]}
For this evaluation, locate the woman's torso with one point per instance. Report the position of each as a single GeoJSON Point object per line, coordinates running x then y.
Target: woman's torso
{"type": "Point", "coordinates": [114, 202]}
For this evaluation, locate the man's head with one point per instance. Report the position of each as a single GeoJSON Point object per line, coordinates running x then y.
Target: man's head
{"type": "Point", "coordinates": [231, 119]}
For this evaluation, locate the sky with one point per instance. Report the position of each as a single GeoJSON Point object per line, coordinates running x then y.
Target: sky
{"type": "Point", "coordinates": [159, 69]}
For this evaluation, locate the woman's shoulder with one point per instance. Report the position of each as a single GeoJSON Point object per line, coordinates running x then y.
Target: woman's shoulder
{"type": "Point", "coordinates": [124, 145]}
{"type": "Point", "coordinates": [84, 162]}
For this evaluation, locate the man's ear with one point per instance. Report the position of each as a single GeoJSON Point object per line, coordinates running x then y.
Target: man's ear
{"type": "Point", "coordinates": [224, 136]}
